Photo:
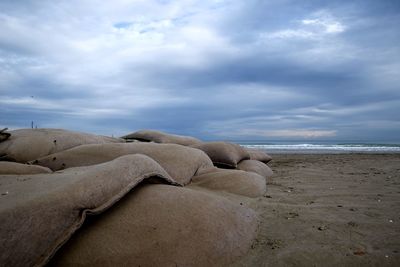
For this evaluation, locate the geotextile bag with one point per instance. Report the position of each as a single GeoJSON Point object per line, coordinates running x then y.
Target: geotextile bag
{"type": "Point", "coordinates": [28, 144]}
{"type": "Point", "coordinates": [256, 167]}
{"type": "Point", "coordinates": [180, 162]}
{"type": "Point", "coordinates": [40, 212]}
{"type": "Point", "coordinates": [233, 181]}
{"type": "Point", "coordinates": [259, 155]}
{"type": "Point", "coordinates": [162, 225]}
{"type": "Point", "coordinates": [7, 167]}
{"type": "Point", "coordinates": [224, 154]}
{"type": "Point", "coordinates": [160, 137]}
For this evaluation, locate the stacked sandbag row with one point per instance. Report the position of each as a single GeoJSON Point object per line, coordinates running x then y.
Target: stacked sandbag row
{"type": "Point", "coordinates": [233, 156]}
{"type": "Point", "coordinates": [224, 155]}
{"type": "Point", "coordinates": [181, 162]}
{"type": "Point", "coordinates": [152, 225]}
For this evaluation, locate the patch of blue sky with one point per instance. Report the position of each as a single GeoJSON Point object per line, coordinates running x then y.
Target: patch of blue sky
{"type": "Point", "coordinates": [123, 25]}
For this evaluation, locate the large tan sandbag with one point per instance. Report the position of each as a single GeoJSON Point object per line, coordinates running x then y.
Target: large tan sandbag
{"type": "Point", "coordinates": [181, 162]}
{"type": "Point", "coordinates": [7, 167]}
{"type": "Point", "coordinates": [160, 137]}
{"type": "Point", "coordinates": [161, 225]}
{"type": "Point", "coordinates": [28, 144]}
{"type": "Point", "coordinates": [233, 181]}
{"type": "Point", "coordinates": [224, 154]}
{"type": "Point", "coordinates": [39, 212]}
{"type": "Point", "coordinates": [259, 155]}
{"type": "Point", "coordinates": [257, 167]}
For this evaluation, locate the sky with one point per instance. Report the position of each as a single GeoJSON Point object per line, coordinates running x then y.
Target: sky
{"type": "Point", "coordinates": [228, 70]}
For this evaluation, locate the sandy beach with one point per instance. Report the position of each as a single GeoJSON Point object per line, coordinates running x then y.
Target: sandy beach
{"type": "Point", "coordinates": [329, 210]}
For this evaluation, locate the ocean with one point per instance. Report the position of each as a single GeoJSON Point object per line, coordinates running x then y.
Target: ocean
{"type": "Point", "coordinates": [321, 147]}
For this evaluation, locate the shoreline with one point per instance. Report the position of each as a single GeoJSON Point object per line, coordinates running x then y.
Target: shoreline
{"type": "Point", "coordinates": [324, 147]}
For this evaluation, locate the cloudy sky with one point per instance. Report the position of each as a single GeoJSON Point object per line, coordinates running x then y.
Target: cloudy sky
{"type": "Point", "coordinates": [272, 69]}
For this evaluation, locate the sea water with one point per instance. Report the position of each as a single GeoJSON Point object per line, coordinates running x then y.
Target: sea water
{"type": "Point", "coordinates": [330, 147]}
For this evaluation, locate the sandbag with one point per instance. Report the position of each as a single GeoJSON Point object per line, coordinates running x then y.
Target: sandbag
{"type": "Point", "coordinates": [7, 167]}
{"type": "Point", "coordinates": [4, 135]}
{"type": "Point", "coordinates": [233, 181]}
{"type": "Point", "coordinates": [224, 154]}
{"type": "Point", "coordinates": [28, 144]}
{"type": "Point", "coordinates": [181, 162]}
{"type": "Point", "coordinates": [160, 137]}
{"type": "Point", "coordinates": [259, 155]}
{"type": "Point", "coordinates": [39, 212]}
{"type": "Point", "coordinates": [256, 167]}
{"type": "Point", "coordinates": [161, 225]}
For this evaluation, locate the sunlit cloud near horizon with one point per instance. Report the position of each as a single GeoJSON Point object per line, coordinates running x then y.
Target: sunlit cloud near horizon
{"type": "Point", "coordinates": [232, 70]}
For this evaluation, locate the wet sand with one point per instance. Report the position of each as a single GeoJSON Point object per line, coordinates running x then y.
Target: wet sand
{"type": "Point", "coordinates": [329, 210]}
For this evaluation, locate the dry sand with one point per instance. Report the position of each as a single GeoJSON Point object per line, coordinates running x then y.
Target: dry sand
{"type": "Point", "coordinates": [329, 210]}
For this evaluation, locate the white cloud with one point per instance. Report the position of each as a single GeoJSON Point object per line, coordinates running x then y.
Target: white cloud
{"type": "Point", "coordinates": [100, 107]}
{"type": "Point", "coordinates": [29, 102]}
{"type": "Point", "coordinates": [319, 25]}
{"type": "Point", "coordinates": [328, 109]}
{"type": "Point", "coordinates": [329, 26]}
{"type": "Point", "coordinates": [289, 34]}
{"type": "Point", "coordinates": [260, 131]}
{"type": "Point", "coordinates": [324, 22]}
{"type": "Point", "coordinates": [246, 94]}
{"type": "Point", "coordinates": [301, 133]}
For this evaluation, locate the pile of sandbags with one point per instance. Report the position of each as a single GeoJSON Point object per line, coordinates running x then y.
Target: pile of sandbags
{"type": "Point", "coordinates": [233, 156]}
{"type": "Point", "coordinates": [29, 144]}
{"type": "Point", "coordinates": [156, 203]}
{"type": "Point", "coordinates": [181, 162]}
{"type": "Point", "coordinates": [40, 212]}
